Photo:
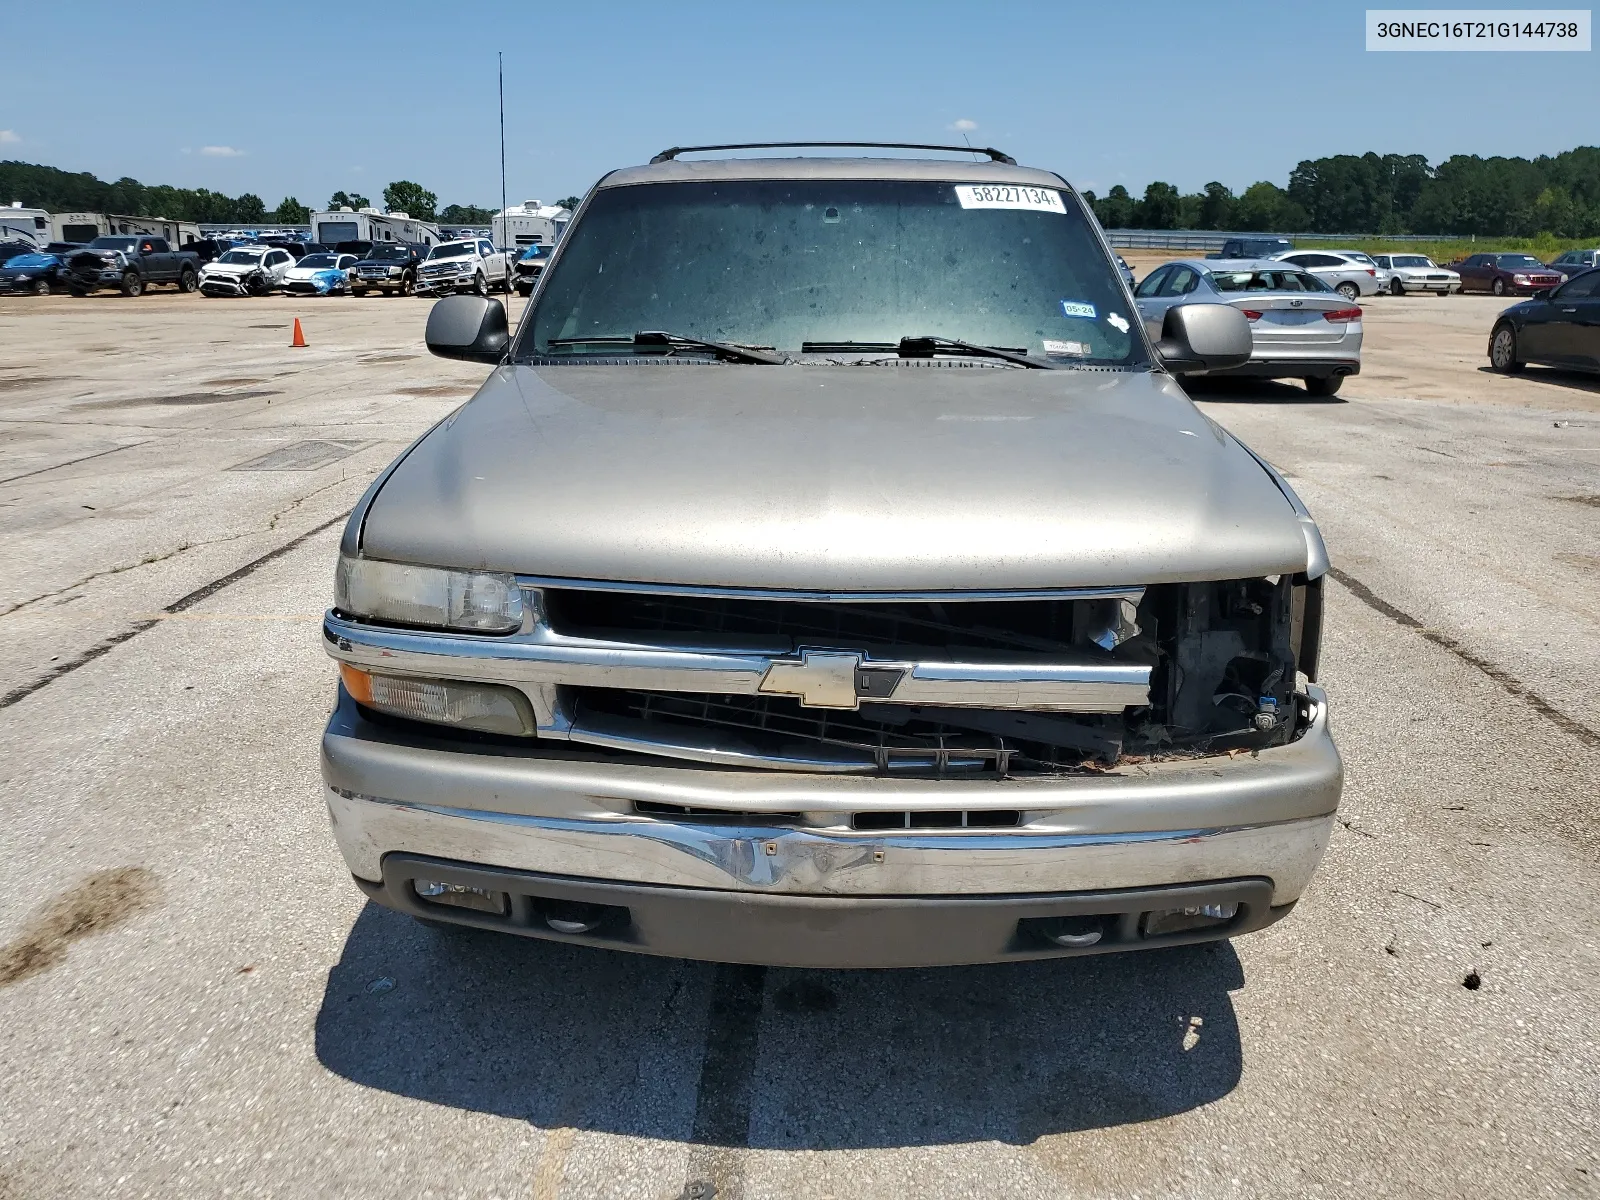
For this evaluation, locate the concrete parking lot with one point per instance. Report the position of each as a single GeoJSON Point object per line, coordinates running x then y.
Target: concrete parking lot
{"type": "Point", "coordinates": [195, 1001]}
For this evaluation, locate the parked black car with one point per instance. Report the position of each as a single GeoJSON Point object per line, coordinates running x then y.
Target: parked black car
{"type": "Point", "coordinates": [1258, 247]}
{"type": "Point", "coordinates": [390, 267]}
{"type": "Point", "coordinates": [38, 272]}
{"type": "Point", "coordinates": [130, 264]}
{"type": "Point", "coordinates": [210, 249]}
{"type": "Point", "coordinates": [1558, 328]}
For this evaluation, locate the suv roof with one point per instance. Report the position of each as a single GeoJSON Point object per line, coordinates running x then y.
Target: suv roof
{"type": "Point", "coordinates": [678, 171]}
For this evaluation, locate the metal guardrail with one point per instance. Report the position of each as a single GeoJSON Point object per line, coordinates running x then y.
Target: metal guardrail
{"type": "Point", "coordinates": [1212, 239]}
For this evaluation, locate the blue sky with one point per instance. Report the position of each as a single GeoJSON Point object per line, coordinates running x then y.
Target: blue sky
{"type": "Point", "coordinates": [304, 99]}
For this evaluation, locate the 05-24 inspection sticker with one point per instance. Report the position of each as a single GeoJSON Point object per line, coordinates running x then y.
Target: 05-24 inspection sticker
{"type": "Point", "coordinates": [1005, 195]}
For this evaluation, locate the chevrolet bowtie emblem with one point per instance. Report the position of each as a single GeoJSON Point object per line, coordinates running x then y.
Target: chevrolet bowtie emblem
{"type": "Point", "coordinates": [830, 679]}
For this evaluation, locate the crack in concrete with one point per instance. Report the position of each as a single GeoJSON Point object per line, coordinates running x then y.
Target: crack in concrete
{"type": "Point", "coordinates": [183, 547]}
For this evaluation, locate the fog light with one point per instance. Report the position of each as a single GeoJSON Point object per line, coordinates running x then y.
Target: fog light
{"type": "Point", "coordinates": [436, 891]}
{"type": "Point", "coordinates": [1184, 920]}
{"type": "Point", "coordinates": [487, 707]}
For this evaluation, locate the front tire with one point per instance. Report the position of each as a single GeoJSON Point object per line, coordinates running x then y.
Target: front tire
{"type": "Point", "coordinates": [1349, 291]}
{"type": "Point", "coordinates": [1499, 288]}
{"type": "Point", "coordinates": [1503, 350]}
{"type": "Point", "coordinates": [187, 282]}
{"type": "Point", "coordinates": [480, 286]}
{"type": "Point", "coordinates": [132, 284]}
{"type": "Point", "coordinates": [1396, 288]}
{"type": "Point", "coordinates": [1324, 385]}
{"type": "Point", "coordinates": [41, 288]}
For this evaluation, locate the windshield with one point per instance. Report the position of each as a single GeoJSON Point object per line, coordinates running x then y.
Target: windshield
{"type": "Point", "coordinates": [1267, 281]}
{"type": "Point", "coordinates": [1411, 260]}
{"type": "Point", "coordinates": [392, 251]}
{"type": "Point", "coordinates": [242, 256]}
{"type": "Point", "coordinates": [114, 243]}
{"type": "Point", "coordinates": [1519, 260]}
{"type": "Point", "coordinates": [320, 260]}
{"type": "Point", "coordinates": [781, 262]}
{"type": "Point", "coordinates": [330, 233]}
{"type": "Point", "coordinates": [455, 250]}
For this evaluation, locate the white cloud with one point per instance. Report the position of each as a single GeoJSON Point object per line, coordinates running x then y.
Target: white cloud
{"type": "Point", "coordinates": [221, 152]}
{"type": "Point", "coordinates": [9, 137]}
{"type": "Point", "coordinates": [964, 125]}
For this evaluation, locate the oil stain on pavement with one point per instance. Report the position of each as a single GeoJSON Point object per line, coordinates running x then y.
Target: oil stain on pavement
{"type": "Point", "coordinates": [93, 905]}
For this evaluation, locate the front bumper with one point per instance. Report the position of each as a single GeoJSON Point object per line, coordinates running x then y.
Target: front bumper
{"type": "Point", "coordinates": [372, 281]}
{"type": "Point", "coordinates": [226, 285]}
{"type": "Point", "coordinates": [784, 871]}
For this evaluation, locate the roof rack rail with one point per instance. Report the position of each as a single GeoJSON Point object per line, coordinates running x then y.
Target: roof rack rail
{"type": "Point", "coordinates": [994, 155]}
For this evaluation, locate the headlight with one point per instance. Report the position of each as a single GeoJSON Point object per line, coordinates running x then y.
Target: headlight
{"type": "Point", "coordinates": [394, 270]}
{"type": "Point", "coordinates": [1519, 279]}
{"type": "Point", "coordinates": [491, 708]}
{"type": "Point", "coordinates": [23, 278]}
{"type": "Point", "coordinates": [413, 595]}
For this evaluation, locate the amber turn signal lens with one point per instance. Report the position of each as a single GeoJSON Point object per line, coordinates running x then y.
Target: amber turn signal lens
{"type": "Point", "coordinates": [357, 682]}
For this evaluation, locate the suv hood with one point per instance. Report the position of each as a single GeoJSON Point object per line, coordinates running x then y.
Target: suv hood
{"type": "Point", "coordinates": [942, 476]}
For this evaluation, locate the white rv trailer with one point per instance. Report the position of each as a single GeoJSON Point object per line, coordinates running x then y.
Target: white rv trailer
{"type": "Point", "coordinates": [369, 225]}
{"type": "Point", "coordinates": [86, 226]}
{"type": "Point", "coordinates": [530, 224]}
{"type": "Point", "coordinates": [18, 224]}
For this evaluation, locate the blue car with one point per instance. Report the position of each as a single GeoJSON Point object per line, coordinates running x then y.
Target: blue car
{"type": "Point", "coordinates": [35, 272]}
{"type": "Point", "coordinates": [320, 275]}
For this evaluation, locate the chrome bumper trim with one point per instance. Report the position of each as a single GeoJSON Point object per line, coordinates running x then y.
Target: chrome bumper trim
{"type": "Point", "coordinates": [1170, 822]}
{"type": "Point", "coordinates": [802, 862]}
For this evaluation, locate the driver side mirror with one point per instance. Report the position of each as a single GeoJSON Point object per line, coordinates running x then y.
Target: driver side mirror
{"type": "Point", "coordinates": [1202, 337]}
{"type": "Point", "coordinates": [469, 327]}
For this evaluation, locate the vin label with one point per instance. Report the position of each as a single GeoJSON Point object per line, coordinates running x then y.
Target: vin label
{"type": "Point", "coordinates": [1478, 29]}
{"type": "Point", "coordinates": [1004, 195]}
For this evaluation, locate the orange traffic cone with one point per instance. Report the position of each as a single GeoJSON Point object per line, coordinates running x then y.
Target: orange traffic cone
{"type": "Point", "coordinates": [299, 337]}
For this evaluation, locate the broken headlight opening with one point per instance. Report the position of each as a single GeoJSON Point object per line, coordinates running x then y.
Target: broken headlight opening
{"type": "Point", "coordinates": [430, 597]}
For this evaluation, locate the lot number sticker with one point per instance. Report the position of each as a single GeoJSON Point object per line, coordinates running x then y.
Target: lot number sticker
{"type": "Point", "coordinates": [1002, 195]}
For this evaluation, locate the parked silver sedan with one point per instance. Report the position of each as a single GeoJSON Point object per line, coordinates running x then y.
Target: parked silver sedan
{"type": "Point", "coordinates": [1417, 273]}
{"type": "Point", "coordinates": [1300, 328]}
{"type": "Point", "coordinates": [1349, 272]}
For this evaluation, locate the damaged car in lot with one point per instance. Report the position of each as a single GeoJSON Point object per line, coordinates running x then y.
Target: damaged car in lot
{"type": "Point", "coordinates": [832, 572]}
{"type": "Point", "coordinates": [246, 271]}
{"type": "Point", "coordinates": [324, 274]}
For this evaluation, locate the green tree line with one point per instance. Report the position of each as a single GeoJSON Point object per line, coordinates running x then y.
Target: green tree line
{"type": "Point", "coordinates": [1372, 193]}
{"type": "Point", "coordinates": [55, 190]}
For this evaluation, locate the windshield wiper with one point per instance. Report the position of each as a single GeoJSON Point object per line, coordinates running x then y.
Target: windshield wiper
{"type": "Point", "coordinates": [927, 347]}
{"type": "Point", "coordinates": [658, 337]}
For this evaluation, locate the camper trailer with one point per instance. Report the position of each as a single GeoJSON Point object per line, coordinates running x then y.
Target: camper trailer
{"type": "Point", "coordinates": [18, 224]}
{"type": "Point", "coordinates": [369, 225]}
{"type": "Point", "coordinates": [530, 224]}
{"type": "Point", "coordinates": [86, 226]}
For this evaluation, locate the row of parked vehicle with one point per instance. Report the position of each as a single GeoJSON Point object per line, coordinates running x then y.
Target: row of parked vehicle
{"type": "Point", "coordinates": [226, 267]}
{"type": "Point", "coordinates": [1305, 323]}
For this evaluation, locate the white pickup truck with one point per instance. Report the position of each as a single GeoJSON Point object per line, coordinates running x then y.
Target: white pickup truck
{"type": "Point", "coordinates": [464, 265]}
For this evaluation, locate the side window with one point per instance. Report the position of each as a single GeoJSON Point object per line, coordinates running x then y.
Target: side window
{"type": "Point", "coordinates": [1477, 260]}
{"type": "Point", "coordinates": [1299, 260]}
{"type": "Point", "coordinates": [1584, 287]}
{"type": "Point", "coordinates": [1180, 281]}
{"type": "Point", "coordinates": [1150, 285]}
{"type": "Point", "coordinates": [485, 249]}
{"type": "Point", "coordinates": [147, 247]}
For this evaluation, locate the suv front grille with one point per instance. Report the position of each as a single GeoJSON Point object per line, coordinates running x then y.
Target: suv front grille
{"type": "Point", "coordinates": [895, 739]}
{"type": "Point", "coordinates": [1044, 626]}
